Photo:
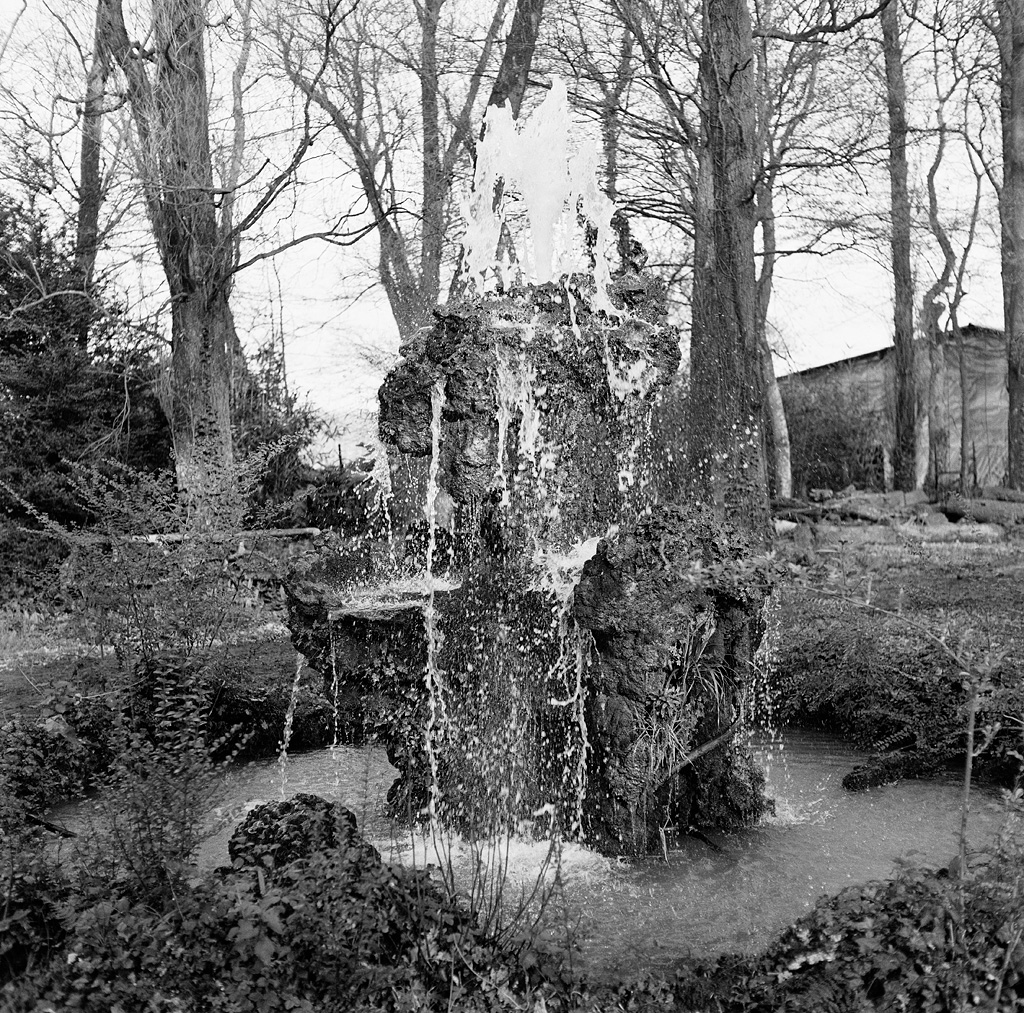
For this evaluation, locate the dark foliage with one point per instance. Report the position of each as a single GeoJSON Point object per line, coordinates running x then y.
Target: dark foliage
{"type": "Point", "coordinates": [64, 401]}
{"type": "Point", "coordinates": [272, 422]}
{"type": "Point", "coordinates": [835, 437]}
{"type": "Point", "coordinates": [41, 299]}
{"type": "Point", "coordinates": [334, 930]}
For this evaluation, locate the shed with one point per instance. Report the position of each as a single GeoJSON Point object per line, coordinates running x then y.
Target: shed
{"type": "Point", "coordinates": [861, 390]}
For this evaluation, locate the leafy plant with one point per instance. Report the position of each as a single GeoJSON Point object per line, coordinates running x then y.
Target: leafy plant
{"type": "Point", "coordinates": [834, 436]}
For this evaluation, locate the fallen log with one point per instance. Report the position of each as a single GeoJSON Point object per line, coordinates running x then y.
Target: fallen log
{"type": "Point", "coordinates": [1000, 492]}
{"type": "Point", "coordinates": [985, 511]}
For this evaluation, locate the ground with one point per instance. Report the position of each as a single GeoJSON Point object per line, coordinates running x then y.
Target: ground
{"type": "Point", "coordinates": [36, 658]}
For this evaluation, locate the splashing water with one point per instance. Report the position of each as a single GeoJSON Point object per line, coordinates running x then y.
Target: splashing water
{"type": "Point", "coordinates": [334, 679]}
{"type": "Point", "coordinates": [432, 674]}
{"type": "Point", "coordinates": [762, 688]}
{"type": "Point", "coordinates": [558, 188]}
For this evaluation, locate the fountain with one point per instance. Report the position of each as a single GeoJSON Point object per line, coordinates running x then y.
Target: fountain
{"type": "Point", "coordinates": [576, 660]}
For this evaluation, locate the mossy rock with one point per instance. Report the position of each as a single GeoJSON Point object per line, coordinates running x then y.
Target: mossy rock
{"type": "Point", "coordinates": [276, 834]}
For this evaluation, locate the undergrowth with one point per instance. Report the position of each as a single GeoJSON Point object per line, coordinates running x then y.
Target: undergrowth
{"type": "Point", "coordinates": [895, 677]}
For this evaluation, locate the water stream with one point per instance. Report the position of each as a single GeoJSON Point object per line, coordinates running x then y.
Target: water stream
{"type": "Point", "coordinates": [701, 902]}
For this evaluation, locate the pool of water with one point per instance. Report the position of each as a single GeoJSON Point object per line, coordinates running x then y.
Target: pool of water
{"type": "Point", "coordinates": [821, 840]}
{"type": "Point", "coordinates": [700, 901]}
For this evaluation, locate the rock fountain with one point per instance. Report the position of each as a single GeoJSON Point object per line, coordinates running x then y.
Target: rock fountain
{"type": "Point", "coordinates": [561, 651]}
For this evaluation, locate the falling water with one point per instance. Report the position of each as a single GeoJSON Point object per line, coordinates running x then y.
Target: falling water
{"type": "Point", "coordinates": [286, 735]}
{"type": "Point", "coordinates": [334, 680]}
{"type": "Point", "coordinates": [762, 687]}
{"type": "Point", "coordinates": [432, 674]}
{"type": "Point", "coordinates": [569, 669]}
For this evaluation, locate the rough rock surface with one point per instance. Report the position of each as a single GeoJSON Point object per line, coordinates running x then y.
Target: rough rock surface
{"type": "Point", "coordinates": [574, 386]}
{"type": "Point", "coordinates": [675, 627]}
{"type": "Point", "coordinates": [370, 647]}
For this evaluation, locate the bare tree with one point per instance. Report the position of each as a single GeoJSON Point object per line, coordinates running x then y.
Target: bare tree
{"type": "Point", "coordinates": [1009, 32]}
{"type": "Point", "coordinates": [955, 71]}
{"type": "Point", "coordinates": [513, 74]}
{"type": "Point", "coordinates": [794, 141]}
{"type": "Point", "coordinates": [90, 179]}
{"type": "Point", "coordinates": [726, 370]}
{"type": "Point", "coordinates": [904, 460]}
{"type": "Point", "coordinates": [347, 64]}
{"type": "Point", "coordinates": [167, 91]}
{"type": "Point", "coordinates": [197, 226]}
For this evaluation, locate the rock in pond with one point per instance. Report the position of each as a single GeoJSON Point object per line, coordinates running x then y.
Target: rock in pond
{"type": "Point", "coordinates": [275, 834]}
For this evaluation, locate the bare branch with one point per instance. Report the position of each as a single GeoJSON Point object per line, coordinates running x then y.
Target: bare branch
{"type": "Point", "coordinates": [816, 32]}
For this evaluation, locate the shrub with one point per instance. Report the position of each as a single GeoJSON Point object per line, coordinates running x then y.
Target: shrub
{"type": "Point", "coordinates": [35, 895]}
{"type": "Point", "coordinates": [266, 414]}
{"type": "Point", "coordinates": [329, 931]}
{"type": "Point", "coordinates": [834, 436]}
{"type": "Point", "coordinates": [47, 760]}
{"type": "Point", "coordinates": [897, 683]}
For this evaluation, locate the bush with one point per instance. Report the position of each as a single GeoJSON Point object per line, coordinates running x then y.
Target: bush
{"type": "Point", "coordinates": [834, 436]}
{"type": "Point", "coordinates": [329, 931]}
{"type": "Point", "coordinates": [60, 754]}
{"type": "Point", "coordinates": [266, 414]}
{"type": "Point", "coordinates": [34, 898]}
{"type": "Point", "coordinates": [889, 683]}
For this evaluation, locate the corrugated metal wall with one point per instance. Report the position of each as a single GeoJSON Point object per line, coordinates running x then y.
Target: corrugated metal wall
{"type": "Point", "coordinates": [871, 376]}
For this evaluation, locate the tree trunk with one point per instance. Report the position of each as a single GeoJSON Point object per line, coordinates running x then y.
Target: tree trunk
{"type": "Point", "coordinates": [904, 451]}
{"type": "Point", "coordinates": [727, 399]}
{"type": "Point", "coordinates": [90, 185]}
{"type": "Point", "coordinates": [775, 413]}
{"type": "Point", "coordinates": [434, 185]}
{"type": "Point", "coordinates": [775, 410]}
{"type": "Point", "coordinates": [514, 73]}
{"type": "Point", "coordinates": [197, 267]}
{"type": "Point", "coordinates": [198, 405]}
{"type": "Point", "coordinates": [1011, 214]}
{"type": "Point", "coordinates": [171, 116]}
{"type": "Point", "coordinates": [967, 480]}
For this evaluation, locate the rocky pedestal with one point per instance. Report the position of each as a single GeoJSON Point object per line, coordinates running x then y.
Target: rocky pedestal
{"type": "Point", "coordinates": [609, 711]}
{"type": "Point", "coordinates": [674, 608]}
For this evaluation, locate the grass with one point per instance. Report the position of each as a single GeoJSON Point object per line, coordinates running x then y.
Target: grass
{"type": "Point", "coordinates": [880, 642]}
{"type": "Point", "coordinates": [39, 648]}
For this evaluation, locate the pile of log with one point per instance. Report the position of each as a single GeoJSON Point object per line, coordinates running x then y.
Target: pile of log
{"type": "Point", "coordinates": [991, 506]}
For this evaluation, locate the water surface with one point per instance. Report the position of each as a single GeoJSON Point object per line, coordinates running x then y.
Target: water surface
{"type": "Point", "coordinates": [700, 901]}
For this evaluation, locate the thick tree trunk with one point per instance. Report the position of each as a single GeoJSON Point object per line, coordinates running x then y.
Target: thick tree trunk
{"type": "Point", "coordinates": [199, 408]}
{"type": "Point", "coordinates": [1011, 214]}
{"type": "Point", "coordinates": [904, 451]}
{"type": "Point", "coordinates": [727, 399]}
{"type": "Point", "coordinates": [197, 267]}
{"type": "Point", "coordinates": [170, 110]}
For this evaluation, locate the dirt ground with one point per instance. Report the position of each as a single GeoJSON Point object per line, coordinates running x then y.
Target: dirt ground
{"type": "Point", "coordinates": [981, 583]}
